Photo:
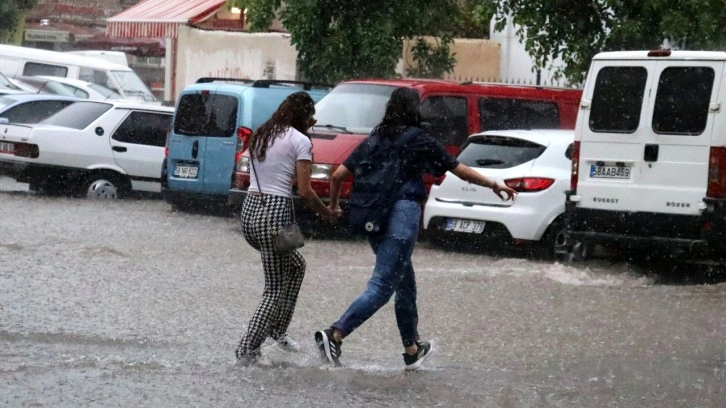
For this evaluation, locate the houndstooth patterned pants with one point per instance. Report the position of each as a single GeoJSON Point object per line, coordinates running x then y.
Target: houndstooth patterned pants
{"type": "Point", "coordinates": [284, 272]}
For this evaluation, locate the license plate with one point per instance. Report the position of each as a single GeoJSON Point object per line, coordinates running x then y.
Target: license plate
{"type": "Point", "coordinates": [6, 147]}
{"type": "Point", "coordinates": [457, 225]}
{"type": "Point", "coordinates": [186, 171]}
{"type": "Point", "coordinates": [611, 172]}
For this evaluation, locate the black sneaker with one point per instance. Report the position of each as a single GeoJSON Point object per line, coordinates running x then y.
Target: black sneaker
{"type": "Point", "coordinates": [414, 361]}
{"type": "Point", "coordinates": [329, 348]}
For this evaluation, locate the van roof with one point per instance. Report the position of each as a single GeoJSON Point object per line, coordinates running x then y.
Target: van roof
{"type": "Point", "coordinates": [675, 55]}
{"type": "Point", "coordinates": [59, 57]}
{"type": "Point", "coordinates": [440, 85]}
{"type": "Point", "coordinates": [240, 85]}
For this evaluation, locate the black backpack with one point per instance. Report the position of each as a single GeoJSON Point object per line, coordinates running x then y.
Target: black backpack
{"type": "Point", "coordinates": [377, 181]}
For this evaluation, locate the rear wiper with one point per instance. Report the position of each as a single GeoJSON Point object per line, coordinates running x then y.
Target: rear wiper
{"type": "Point", "coordinates": [333, 127]}
{"type": "Point", "coordinates": [488, 162]}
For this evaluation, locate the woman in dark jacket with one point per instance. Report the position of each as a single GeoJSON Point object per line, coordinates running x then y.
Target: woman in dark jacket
{"type": "Point", "coordinates": [393, 271]}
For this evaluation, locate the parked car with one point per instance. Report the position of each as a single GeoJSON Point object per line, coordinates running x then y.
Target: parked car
{"type": "Point", "coordinates": [67, 87]}
{"type": "Point", "coordinates": [649, 162]}
{"type": "Point", "coordinates": [451, 111]}
{"type": "Point", "coordinates": [27, 61]}
{"type": "Point", "coordinates": [214, 117]}
{"type": "Point", "coordinates": [535, 163]}
{"type": "Point", "coordinates": [28, 108]}
{"type": "Point", "coordinates": [89, 148]}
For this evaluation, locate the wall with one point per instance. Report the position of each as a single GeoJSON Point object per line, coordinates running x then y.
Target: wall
{"type": "Point", "coordinates": [233, 54]}
{"type": "Point", "coordinates": [516, 64]}
{"type": "Point", "coordinates": [86, 12]}
{"type": "Point", "coordinates": [476, 59]}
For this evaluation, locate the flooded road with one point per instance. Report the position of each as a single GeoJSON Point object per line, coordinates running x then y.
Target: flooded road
{"type": "Point", "coordinates": [129, 304]}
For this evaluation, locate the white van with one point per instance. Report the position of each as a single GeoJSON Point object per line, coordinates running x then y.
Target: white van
{"type": "Point", "coordinates": [649, 158]}
{"type": "Point", "coordinates": [23, 61]}
{"type": "Point", "coordinates": [117, 57]}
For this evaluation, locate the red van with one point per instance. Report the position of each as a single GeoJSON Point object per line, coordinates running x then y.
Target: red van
{"type": "Point", "coordinates": [450, 111]}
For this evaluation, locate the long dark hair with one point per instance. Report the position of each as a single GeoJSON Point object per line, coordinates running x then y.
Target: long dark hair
{"type": "Point", "coordinates": [294, 111]}
{"type": "Point", "coordinates": [401, 110]}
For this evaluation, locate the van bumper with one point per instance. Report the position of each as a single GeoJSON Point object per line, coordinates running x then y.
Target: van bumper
{"type": "Point", "coordinates": [694, 234]}
{"type": "Point", "coordinates": [183, 198]}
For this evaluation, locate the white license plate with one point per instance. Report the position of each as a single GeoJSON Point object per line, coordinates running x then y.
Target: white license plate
{"type": "Point", "coordinates": [186, 171]}
{"type": "Point", "coordinates": [611, 172]}
{"type": "Point", "coordinates": [457, 225]}
{"type": "Point", "coordinates": [6, 147]}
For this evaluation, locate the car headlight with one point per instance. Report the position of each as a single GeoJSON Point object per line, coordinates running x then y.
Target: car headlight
{"type": "Point", "coordinates": [243, 165]}
{"type": "Point", "coordinates": [321, 171]}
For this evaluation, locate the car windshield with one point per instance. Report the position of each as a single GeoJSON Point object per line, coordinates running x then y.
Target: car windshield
{"type": "Point", "coordinates": [78, 115]}
{"type": "Point", "coordinates": [357, 108]}
{"type": "Point", "coordinates": [132, 85]}
{"type": "Point", "coordinates": [107, 93]}
{"type": "Point", "coordinates": [5, 83]}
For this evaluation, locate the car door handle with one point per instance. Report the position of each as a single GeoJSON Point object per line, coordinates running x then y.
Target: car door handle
{"type": "Point", "coordinates": [651, 153]}
{"type": "Point", "coordinates": [195, 149]}
{"type": "Point", "coordinates": [119, 149]}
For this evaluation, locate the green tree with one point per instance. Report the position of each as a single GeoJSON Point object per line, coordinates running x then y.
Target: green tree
{"type": "Point", "coordinates": [343, 39]}
{"type": "Point", "coordinates": [12, 14]}
{"type": "Point", "coordinates": [577, 30]}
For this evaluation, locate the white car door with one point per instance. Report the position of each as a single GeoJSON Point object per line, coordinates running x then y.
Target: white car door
{"type": "Point", "coordinates": [138, 147]}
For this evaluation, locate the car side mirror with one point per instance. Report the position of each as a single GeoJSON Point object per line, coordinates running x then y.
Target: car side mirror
{"type": "Point", "coordinates": [4, 121]}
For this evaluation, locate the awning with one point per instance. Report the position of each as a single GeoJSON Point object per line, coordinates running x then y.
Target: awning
{"type": "Point", "coordinates": [143, 47]}
{"type": "Point", "coordinates": [160, 18]}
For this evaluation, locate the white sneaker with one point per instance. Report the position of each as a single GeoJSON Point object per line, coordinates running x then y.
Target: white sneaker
{"type": "Point", "coordinates": [287, 344]}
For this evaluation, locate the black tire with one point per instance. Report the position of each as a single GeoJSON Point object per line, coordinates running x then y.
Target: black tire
{"type": "Point", "coordinates": [553, 242]}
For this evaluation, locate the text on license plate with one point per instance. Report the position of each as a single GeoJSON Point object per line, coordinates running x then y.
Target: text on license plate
{"type": "Point", "coordinates": [457, 225]}
{"type": "Point", "coordinates": [6, 147]}
{"type": "Point", "coordinates": [186, 171]}
{"type": "Point", "coordinates": [616, 172]}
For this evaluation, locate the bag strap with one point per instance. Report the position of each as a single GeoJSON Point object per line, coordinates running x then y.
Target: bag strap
{"type": "Point", "coordinates": [257, 181]}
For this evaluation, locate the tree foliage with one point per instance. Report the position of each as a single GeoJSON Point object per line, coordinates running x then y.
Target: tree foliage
{"type": "Point", "coordinates": [11, 13]}
{"type": "Point", "coordinates": [432, 61]}
{"type": "Point", "coordinates": [343, 39]}
{"type": "Point", "coordinates": [577, 30]}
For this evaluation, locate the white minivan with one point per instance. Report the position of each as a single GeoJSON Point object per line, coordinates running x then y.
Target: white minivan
{"type": "Point", "coordinates": [649, 158]}
{"type": "Point", "coordinates": [24, 61]}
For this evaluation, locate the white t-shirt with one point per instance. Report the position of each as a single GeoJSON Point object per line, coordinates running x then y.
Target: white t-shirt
{"type": "Point", "coordinates": [277, 171]}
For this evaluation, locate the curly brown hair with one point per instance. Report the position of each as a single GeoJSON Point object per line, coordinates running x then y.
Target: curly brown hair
{"type": "Point", "coordinates": [295, 111]}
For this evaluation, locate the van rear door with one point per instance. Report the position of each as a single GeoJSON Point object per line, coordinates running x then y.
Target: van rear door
{"type": "Point", "coordinates": [204, 121]}
{"type": "Point", "coordinates": [644, 135]}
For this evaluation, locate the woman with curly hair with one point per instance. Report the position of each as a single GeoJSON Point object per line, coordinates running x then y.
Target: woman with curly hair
{"type": "Point", "coordinates": [279, 150]}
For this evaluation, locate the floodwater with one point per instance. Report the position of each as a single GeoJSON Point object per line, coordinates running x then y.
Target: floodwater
{"type": "Point", "coordinates": [127, 303]}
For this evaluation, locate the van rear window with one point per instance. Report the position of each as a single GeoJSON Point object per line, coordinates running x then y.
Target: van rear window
{"type": "Point", "coordinates": [210, 115]}
{"type": "Point", "coordinates": [498, 152]}
{"type": "Point", "coordinates": [501, 113]}
{"type": "Point", "coordinates": [617, 99]}
{"type": "Point", "coordinates": [681, 103]}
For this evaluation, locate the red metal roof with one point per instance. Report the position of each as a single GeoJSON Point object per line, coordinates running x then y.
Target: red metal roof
{"type": "Point", "coordinates": [160, 18]}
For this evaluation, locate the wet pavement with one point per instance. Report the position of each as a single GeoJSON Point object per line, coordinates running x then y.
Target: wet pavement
{"type": "Point", "coordinates": [127, 303]}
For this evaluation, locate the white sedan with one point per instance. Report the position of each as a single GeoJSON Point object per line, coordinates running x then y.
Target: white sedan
{"type": "Point", "coordinates": [89, 148]}
{"type": "Point", "coordinates": [535, 163]}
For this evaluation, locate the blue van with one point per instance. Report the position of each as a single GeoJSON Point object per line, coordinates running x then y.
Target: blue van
{"type": "Point", "coordinates": [213, 119]}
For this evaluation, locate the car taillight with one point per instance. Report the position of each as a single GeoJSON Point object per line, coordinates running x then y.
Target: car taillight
{"type": "Point", "coordinates": [717, 173]}
{"type": "Point", "coordinates": [27, 150]}
{"type": "Point", "coordinates": [243, 140]}
{"type": "Point", "coordinates": [438, 180]}
{"type": "Point", "coordinates": [529, 184]}
{"type": "Point", "coordinates": [166, 144]}
{"type": "Point", "coordinates": [575, 164]}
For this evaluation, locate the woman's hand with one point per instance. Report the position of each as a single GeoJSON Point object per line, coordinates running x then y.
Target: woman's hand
{"type": "Point", "coordinates": [509, 193]}
{"type": "Point", "coordinates": [334, 213]}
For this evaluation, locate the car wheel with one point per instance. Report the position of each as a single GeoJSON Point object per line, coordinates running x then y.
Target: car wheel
{"type": "Point", "coordinates": [102, 187]}
{"type": "Point", "coordinates": [567, 250]}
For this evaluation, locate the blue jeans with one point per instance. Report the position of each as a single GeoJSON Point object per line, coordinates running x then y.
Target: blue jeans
{"type": "Point", "coordinates": [393, 273]}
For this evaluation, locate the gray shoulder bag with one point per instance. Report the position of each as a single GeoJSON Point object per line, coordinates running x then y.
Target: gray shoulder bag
{"type": "Point", "coordinates": [289, 237]}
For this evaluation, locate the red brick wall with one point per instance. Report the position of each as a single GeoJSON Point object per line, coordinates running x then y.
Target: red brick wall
{"type": "Point", "coordinates": [82, 12]}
